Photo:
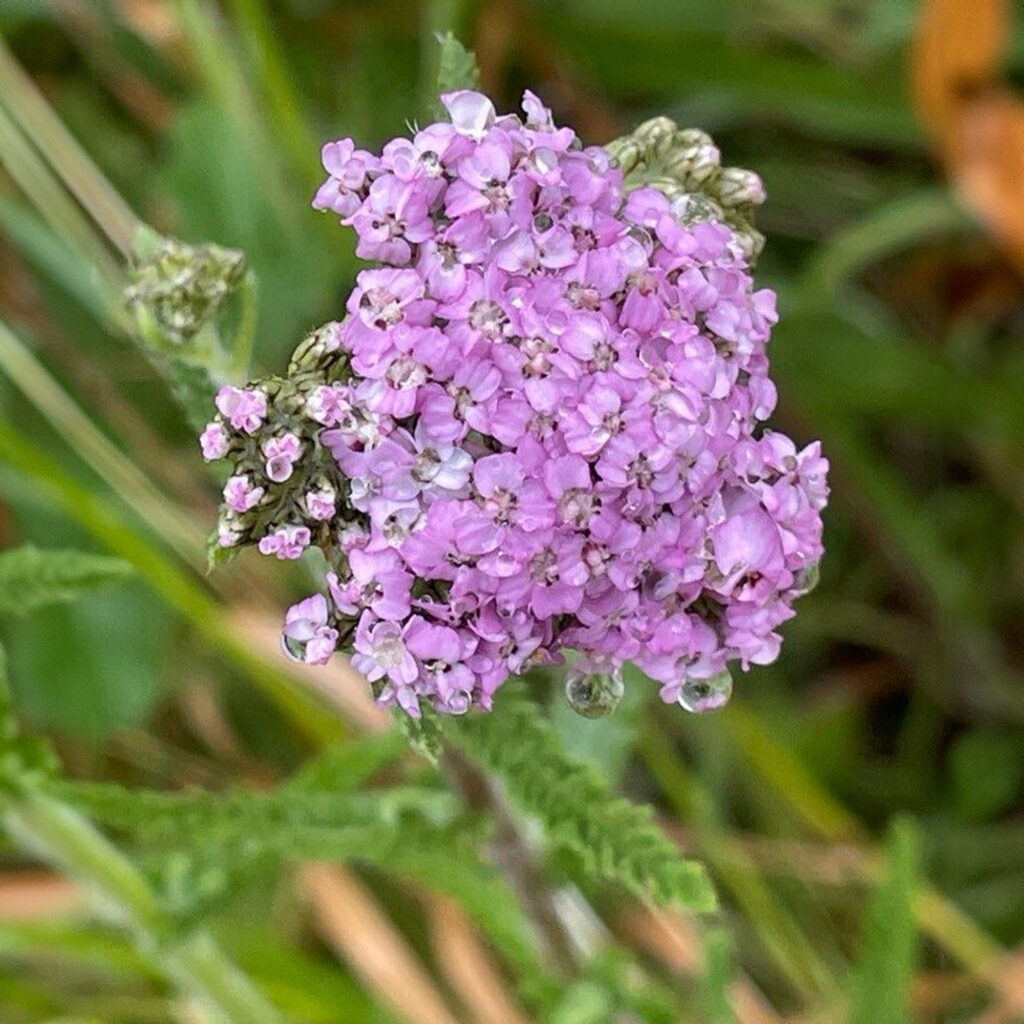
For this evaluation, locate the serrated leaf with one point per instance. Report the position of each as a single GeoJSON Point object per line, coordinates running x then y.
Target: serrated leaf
{"type": "Point", "coordinates": [616, 840]}
{"type": "Point", "coordinates": [880, 989]}
{"type": "Point", "coordinates": [343, 769]}
{"type": "Point", "coordinates": [457, 67]}
{"type": "Point", "coordinates": [32, 578]}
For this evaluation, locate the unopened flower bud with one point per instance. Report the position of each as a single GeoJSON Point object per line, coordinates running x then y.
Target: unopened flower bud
{"type": "Point", "coordinates": [694, 159]}
{"type": "Point", "coordinates": [626, 153]}
{"type": "Point", "coordinates": [245, 409]}
{"type": "Point", "coordinates": [214, 442]}
{"type": "Point", "coordinates": [282, 453]}
{"type": "Point", "coordinates": [749, 241]}
{"type": "Point", "coordinates": [228, 532]}
{"type": "Point", "coordinates": [308, 635]}
{"type": "Point", "coordinates": [286, 542]}
{"type": "Point", "coordinates": [312, 350]}
{"type": "Point", "coordinates": [181, 286]}
{"type": "Point", "coordinates": [321, 503]}
{"type": "Point", "coordinates": [736, 186]}
{"type": "Point", "coordinates": [656, 136]}
{"type": "Point", "coordinates": [240, 495]}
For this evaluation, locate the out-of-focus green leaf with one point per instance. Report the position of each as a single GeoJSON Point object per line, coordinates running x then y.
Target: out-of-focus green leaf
{"type": "Point", "coordinates": [648, 60]}
{"type": "Point", "coordinates": [717, 977]}
{"type": "Point", "coordinates": [91, 668]}
{"type": "Point", "coordinates": [344, 768]}
{"type": "Point", "coordinates": [880, 987]}
{"type": "Point", "coordinates": [986, 767]}
{"type": "Point", "coordinates": [31, 578]}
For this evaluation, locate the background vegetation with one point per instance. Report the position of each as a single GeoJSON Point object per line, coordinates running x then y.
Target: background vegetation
{"type": "Point", "coordinates": [882, 756]}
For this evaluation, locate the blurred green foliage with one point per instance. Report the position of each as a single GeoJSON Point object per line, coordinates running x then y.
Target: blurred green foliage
{"type": "Point", "coordinates": [899, 687]}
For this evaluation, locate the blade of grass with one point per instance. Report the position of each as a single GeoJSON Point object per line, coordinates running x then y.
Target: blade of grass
{"type": "Point", "coordinates": [885, 968]}
{"type": "Point", "coordinates": [940, 919]}
{"type": "Point", "coordinates": [894, 227]}
{"type": "Point", "coordinates": [96, 450]}
{"type": "Point", "coordinates": [360, 933]}
{"type": "Point", "coordinates": [270, 71]}
{"type": "Point", "coordinates": [35, 179]}
{"type": "Point", "coordinates": [65, 155]}
{"type": "Point", "coordinates": [46, 252]}
{"type": "Point", "coordinates": [194, 963]}
{"type": "Point", "coordinates": [780, 935]}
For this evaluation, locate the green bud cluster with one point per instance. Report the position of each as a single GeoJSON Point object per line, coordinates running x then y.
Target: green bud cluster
{"type": "Point", "coordinates": [685, 165]}
{"type": "Point", "coordinates": [177, 288]}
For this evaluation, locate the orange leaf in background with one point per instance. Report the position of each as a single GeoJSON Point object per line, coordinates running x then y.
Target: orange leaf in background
{"type": "Point", "coordinates": [957, 49]}
{"type": "Point", "coordinates": [987, 165]}
{"type": "Point", "coordinates": [977, 124]}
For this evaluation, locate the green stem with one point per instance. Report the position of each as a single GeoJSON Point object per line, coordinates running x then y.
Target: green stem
{"type": "Point", "coordinates": [196, 964]}
{"type": "Point", "coordinates": [245, 336]}
{"type": "Point", "coordinates": [275, 82]}
{"type": "Point", "coordinates": [440, 16]}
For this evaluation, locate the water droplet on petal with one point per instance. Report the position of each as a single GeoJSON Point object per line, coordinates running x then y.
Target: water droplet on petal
{"type": "Point", "coordinates": [594, 695]}
{"type": "Point", "coordinates": [295, 649]}
{"type": "Point", "coordinates": [703, 695]}
{"type": "Point", "coordinates": [807, 579]}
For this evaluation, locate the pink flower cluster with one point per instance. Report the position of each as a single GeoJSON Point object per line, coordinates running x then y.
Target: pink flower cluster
{"type": "Point", "coordinates": [549, 427]}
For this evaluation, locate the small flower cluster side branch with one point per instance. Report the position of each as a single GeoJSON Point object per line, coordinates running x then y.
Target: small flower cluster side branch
{"type": "Point", "coordinates": [538, 426]}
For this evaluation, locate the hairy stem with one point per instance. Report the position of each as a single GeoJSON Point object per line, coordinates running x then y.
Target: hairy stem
{"type": "Point", "coordinates": [517, 859]}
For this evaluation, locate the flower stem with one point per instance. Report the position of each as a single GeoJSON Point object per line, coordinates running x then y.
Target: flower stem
{"type": "Point", "coordinates": [195, 963]}
{"type": "Point", "coordinates": [517, 860]}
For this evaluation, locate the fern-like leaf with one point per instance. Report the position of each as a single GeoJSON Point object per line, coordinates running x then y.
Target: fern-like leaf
{"type": "Point", "coordinates": [31, 578]}
{"type": "Point", "coordinates": [457, 67]}
{"type": "Point", "coordinates": [409, 832]}
{"type": "Point", "coordinates": [253, 818]}
{"type": "Point", "coordinates": [614, 839]}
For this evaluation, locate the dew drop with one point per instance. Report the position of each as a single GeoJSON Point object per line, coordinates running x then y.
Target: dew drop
{"type": "Point", "coordinates": [295, 649]}
{"type": "Point", "coordinates": [703, 695]}
{"type": "Point", "coordinates": [806, 580]}
{"type": "Point", "coordinates": [595, 695]}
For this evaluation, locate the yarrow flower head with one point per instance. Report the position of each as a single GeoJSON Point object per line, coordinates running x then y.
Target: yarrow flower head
{"type": "Point", "coordinates": [538, 426]}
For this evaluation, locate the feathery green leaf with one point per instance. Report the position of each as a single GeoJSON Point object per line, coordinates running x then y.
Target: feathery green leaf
{"type": "Point", "coordinates": [31, 578]}
{"type": "Point", "coordinates": [457, 68]}
{"type": "Point", "coordinates": [615, 839]}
